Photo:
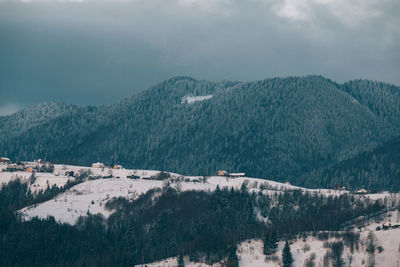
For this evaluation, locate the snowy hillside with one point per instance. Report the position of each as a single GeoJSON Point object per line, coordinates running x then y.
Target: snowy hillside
{"type": "Point", "coordinates": [102, 184]}
{"type": "Point", "coordinates": [90, 196]}
{"type": "Point", "coordinates": [314, 248]}
{"type": "Point", "coordinates": [42, 179]}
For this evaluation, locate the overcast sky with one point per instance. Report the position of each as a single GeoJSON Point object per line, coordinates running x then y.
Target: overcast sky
{"type": "Point", "coordinates": [97, 52]}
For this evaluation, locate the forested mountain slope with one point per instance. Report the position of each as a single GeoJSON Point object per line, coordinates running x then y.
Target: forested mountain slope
{"type": "Point", "coordinates": [378, 169]}
{"type": "Point", "coordinates": [28, 118]}
{"type": "Point", "coordinates": [380, 98]}
{"type": "Point", "coordinates": [275, 128]}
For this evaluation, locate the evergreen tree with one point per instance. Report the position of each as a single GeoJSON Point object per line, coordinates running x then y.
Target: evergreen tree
{"type": "Point", "coordinates": [233, 260]}
{"type": "Point", "coordinates": [287, 258]}
{"type": "Point", "coordinates": [270, 242]}
{"type": "Point", "coordinates": [181, 262]}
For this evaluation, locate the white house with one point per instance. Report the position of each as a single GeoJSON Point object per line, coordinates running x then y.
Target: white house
{"type": "Point", "coordinates": [4, 160]}
{"type": "Point", "coordinates": [237, 174]}
{"type": "Point", "coordinates": [98, 165]}
{"type": "Point", "coordinates": [362, 191]}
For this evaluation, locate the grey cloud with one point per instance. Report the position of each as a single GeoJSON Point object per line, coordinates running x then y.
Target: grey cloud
{"type": "Point", "coordinates": [98, 52]}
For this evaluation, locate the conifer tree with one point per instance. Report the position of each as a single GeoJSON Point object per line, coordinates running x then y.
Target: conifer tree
{"type": "Point", "coordinates": [232, 260]}
{"type": "Point", "coordinates": [287, 258]}
{"type": "Point", "coordinates": [181, 262]}
{"type": "Point", "coordinates": [270, 242]}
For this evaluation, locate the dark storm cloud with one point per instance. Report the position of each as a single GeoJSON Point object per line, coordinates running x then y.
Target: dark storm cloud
{"type": "Point", "coordinates": [95, 52]}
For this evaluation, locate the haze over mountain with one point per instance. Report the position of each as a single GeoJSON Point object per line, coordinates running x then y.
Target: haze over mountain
{"type": "Point", "coordinates": [277, 128]}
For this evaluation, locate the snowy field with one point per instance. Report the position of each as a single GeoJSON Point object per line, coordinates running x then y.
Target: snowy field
{"type": "Point", "coordinates": [42, 179]}
{"type": "Point", "coordinates": [90, 196]}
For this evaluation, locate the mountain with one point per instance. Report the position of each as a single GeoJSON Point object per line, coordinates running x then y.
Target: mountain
{"type": "Point", "coordinates": [377, 169]}
{"type": "Point", "coordinates": [277, 128]}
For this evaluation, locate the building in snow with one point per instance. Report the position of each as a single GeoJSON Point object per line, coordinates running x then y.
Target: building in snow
{"type": "Point", "coordinates": [339, 187]}
{"type": "Point", "coordinates": [233, 174]}
{"type": "Point", "coordinates": [15, 167]}
{"type": "Point", "coordinates": [362, 191]}
{"type": "Point", "coordinates": [222, 173]}
{"type": "Point", "coordinates": [117, 167]}
{"type": "Point", "coordinates": [4, 160]}
{"type": "Point", "coordinates": [98, 165]}
{"type": "Point", "coordinates": [29, 169]}
{"type": "Point", "coordinates": [237, 174]}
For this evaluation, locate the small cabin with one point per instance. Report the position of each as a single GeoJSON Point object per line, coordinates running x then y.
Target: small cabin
{"type": "Point", "coordinates": [29, 169]}
{"type": "Point", "coordinates": [98, 165]}
{"type": "Point", "coordinates": [15, 167]}
{"type": "Point", "coordinates": [237, 174]}
{"type": "Point", "coordinates": [362, 191]}
{"type": "Point", "coordinates": [339, 187]}
{"type": "Point", "coordinates": [12, 166]}
{"type": "Point", "coordinates": [222, 173]}
{"type": "Point", "coordinates": [4, 160]}
{"type": "Point", "coordinates": [117, 167]}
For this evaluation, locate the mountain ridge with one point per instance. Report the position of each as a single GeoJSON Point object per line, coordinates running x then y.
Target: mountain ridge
{"type": "Point", "coordinates": [277, 128]}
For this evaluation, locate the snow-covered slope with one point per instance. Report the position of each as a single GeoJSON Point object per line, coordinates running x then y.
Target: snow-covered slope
{"type": "Point", "coordinates": [90, 196]}
{"type": "Point", "coordinates": [250, 252]}
{"type": "Point", "coordinates": [41, 182]}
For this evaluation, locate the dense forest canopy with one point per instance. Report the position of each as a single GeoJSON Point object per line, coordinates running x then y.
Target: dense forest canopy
{"type": "Point", "coordinates": [280, 128]}
{"type": "Point", "coordinates": [377, 169]}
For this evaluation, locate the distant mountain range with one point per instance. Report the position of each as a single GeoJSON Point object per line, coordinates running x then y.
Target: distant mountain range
{"type": "Point", "coordinates": [299, 129]}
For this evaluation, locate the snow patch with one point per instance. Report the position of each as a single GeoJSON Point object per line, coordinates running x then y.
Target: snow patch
{"type": "Point", "coordinates": [192, 99]}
